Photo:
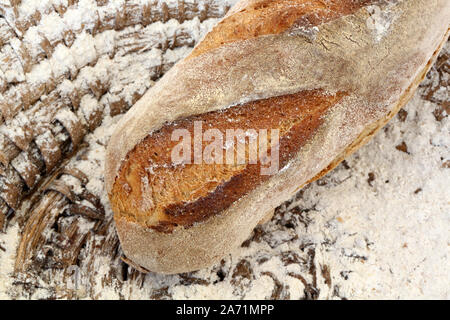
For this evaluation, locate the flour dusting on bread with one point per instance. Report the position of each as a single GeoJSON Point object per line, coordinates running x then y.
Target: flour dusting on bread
{"type": "Point", "coordinates": [376, 75]}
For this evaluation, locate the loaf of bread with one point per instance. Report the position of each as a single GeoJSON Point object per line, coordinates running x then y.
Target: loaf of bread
{"type": "Point", "coordinates": [320, 77]}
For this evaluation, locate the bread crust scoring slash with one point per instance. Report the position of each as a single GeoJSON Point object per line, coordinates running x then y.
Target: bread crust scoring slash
{"type": "Point", "coordinates": [260, 68]}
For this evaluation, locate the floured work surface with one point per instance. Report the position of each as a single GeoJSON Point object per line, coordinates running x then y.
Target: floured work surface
{"type": "Point", "coordinates": [376, 227]}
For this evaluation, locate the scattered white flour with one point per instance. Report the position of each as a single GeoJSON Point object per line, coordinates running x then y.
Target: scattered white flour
{"type": "Point", "coordinates": [8, 246]}
{"type": "Point", "coordinates": [380, 20]}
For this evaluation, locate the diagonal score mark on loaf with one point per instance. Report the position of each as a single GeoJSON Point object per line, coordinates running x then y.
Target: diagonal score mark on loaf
{"type": "Point", "coordinates": [152, 190]}
{"type": "Point", "coordinates": [265, 17]}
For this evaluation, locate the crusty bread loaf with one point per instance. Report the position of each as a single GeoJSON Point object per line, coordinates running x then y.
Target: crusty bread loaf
{"type": "Point", "coordinates": [326, 74]}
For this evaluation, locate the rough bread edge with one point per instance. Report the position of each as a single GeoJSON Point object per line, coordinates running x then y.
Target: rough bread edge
{"type": "Point", "coordinates": [373, 129]}
{"type": "Point", "coordinates": [190, 249]}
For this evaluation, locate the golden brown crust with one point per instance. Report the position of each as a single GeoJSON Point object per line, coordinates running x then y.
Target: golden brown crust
{"type": "Point", "coordinates": [264, 17]}
{"type": "Point", "coordinates": [168, 196]}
